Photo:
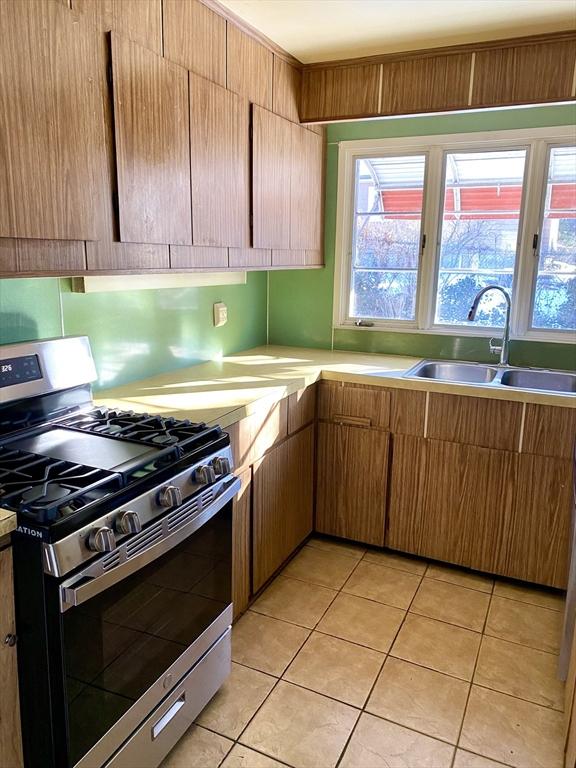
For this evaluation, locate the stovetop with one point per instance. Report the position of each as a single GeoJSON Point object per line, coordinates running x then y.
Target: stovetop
{"type": "Point", "coordinates": [60, 470]}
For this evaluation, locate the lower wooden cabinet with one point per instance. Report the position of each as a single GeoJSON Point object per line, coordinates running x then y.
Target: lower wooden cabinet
{"type": "Point", "coordinates": [10, 734]}
{"type": "Point", "coordinates": [241, 528]}
{"type": "Point", "coordinates": [491, 510]}
{"type": "Point", "coordinates": [282, 489]}
{"type": "Point", "coordinates": [352, 479]}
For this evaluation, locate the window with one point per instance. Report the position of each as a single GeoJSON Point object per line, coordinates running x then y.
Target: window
{"type": "Point", "coordinates": [424, 225]}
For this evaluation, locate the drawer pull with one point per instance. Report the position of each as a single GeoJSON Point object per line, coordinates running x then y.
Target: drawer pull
{"type": "Point", "coordinates": [168, 716]}
{"type": "Point", "coordinates": [353, 421]}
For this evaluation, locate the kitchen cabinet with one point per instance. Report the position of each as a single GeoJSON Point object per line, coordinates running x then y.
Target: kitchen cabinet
{"type": "Point", "coordinates": [352, 480]}
{"type": "Point", "coordinates": [195, 38]}
{"type": "Point", "coordinates": [257, 433]}
{"type": "Point", "coordinates": [51, 124]}
{"type": "Point", "coordinates": [151, 122]}
{"type": "Point", "coordinates": [337, 92]}
{"type": "Point", "coordinates": [287, 86]}
{"type": "Point", "coordinates": [282, 504]}
{"type": "Point", "coordinates": [188, 257]}
{"type": "Point", "coordinates": [249, 67]}
{"type": "Point", "coordinates": [354, 404]}
{"type": "Point", "coordinates": [10, 734]}
{"type": "Point", "coordinates": [549, 430]}
{"type": "Point", "coordinates": [524, 73]}
{"type": "Point", "coordinates": [42, 256]}
{"type": "Point", "coordinates": [241, 537]}
{"type": "Point", "coordinates": [105, 255]}
{"type": "Point", "coordinates": [140, 20]}
{"type": "Point", "coordinates": [306, 189]}
{"type": "Point", "coordinates": [271, 175]}
{"type": "Point", "coordinates": [219, 159]}
{"type": "Point", "coordinates": [301, 408]}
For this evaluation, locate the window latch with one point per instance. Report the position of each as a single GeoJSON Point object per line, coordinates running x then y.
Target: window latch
{"type": "Point", "coordinates": [423, 243]}
{"type": "Point", "coordinates": [535, 240]}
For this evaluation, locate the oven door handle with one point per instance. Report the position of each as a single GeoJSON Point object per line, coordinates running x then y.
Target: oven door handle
{"type": "Point", "coordinates": [83, 587]}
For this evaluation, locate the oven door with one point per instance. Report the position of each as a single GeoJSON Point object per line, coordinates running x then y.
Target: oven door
{"type": "Point", "coordinates": [131, 631]}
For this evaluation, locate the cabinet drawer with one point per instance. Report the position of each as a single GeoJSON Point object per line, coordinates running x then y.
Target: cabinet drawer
{"type": "Point", "coordinates": [253, 436]}
{"type": "Point", "coordinates": [354, 404]}
{"type": "Point", "coordinates": [475, 421]}
{"type": "Point", "coordinates": [549, 430]}
{"type": "Point", "coordinates": [301, 408]}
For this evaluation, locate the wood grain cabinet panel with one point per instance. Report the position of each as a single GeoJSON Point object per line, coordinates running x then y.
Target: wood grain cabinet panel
{"type": "Point", "coordinates": [475, 420]}
{"type": "Point", "coordinates": [340, 92]}
{"type": "Point", "coordinates": [354, 404]}
{"type": "Point", "coordinates": [151, 120]}
{"type": "Point", "coordinates": [271, 174]}
{"type": "Point", "coordinates": [351, 482]}
{"type": "Point", "coordinates": [282, 503]}
{"type": "Point", "coordinates": [51, 124]}
{"type": "Point", "coordinates": [524, 74]}
{"type": "Point", "coordinates": [195, 38]}
{"type": "Point", "coordinates": [109, 256]}
{"type": "Point", "coordinates": [249, 67]}
{"type": "Point", "coordinates": [301, 408]}
{"type": "Point", "coordinates": [549, 430]}
{"type": "Point", "coordinates": [537, 545]}
{"type": "Point", "coordinates": [219, 159]}
{"type": "Point", "coordinates": [426, 84]}
{"type": "Point", "coordinates": [250, 258]}
{"type": "Point", "coordinates": [58, 257]}
{"type": "Point", "coordinates": [8, 255]}
{"type": "Point", "coordinates": [408, 412]}
{"type": "Point", "coordinates": [449, 501]}
{"type": "Point", "coordinates": [241, 538]}
{"type": "Point", "coordinates": [286, 90]}
{"type": "Point", "coordinates": [10, 733]}
{"type": "Point", "coordinates": [140, 20]}
{"type": "Point", "coordinates": [256, 434]}
{"type": "Point", "coordinates": [306, 189]}
{"type": "Point", "coordinates": [198, 257]}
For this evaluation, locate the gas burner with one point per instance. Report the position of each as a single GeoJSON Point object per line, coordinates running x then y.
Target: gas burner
{"type": "Point", "coordinates": [47, 489]}
{"type": "Point", "coordinates": [137, 427]}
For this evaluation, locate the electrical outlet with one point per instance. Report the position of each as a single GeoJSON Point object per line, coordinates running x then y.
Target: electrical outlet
{"type": "Point", "coordinates": [220, 314]}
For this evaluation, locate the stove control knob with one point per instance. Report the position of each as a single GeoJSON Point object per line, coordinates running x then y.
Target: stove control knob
{"type": "Point", "coordinates": [102, 539]}
{"type": "Point", "coordinates": [221, 465]}
{"type": "Point", "coordinates": [204, 474]}
{"type": "Point", "coordinates": [128, 522]}
{"type": "Point", "coordinates": [170, 496]}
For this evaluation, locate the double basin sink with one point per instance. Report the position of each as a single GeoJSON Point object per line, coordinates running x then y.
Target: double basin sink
{"type": "Point", "coordinates": [495, 376]}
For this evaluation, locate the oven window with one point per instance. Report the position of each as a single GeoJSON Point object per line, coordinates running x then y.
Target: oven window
{"type": "Point", "coordinates": [123, 640]}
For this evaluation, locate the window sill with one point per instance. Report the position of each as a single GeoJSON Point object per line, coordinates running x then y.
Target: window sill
{"type": "Point", "coordinates": [562, 337]}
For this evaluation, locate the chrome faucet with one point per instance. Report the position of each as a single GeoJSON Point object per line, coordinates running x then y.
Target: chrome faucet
{"type": "Point", "coordinates": [501, 348]}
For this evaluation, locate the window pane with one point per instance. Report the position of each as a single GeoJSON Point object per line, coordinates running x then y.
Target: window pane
{"type": "Point", "coordinates": [479, 234]}
{"type": "Point", "coordinates": [555, 294]}
{"type": "Point", "coordinates": [389, 195]}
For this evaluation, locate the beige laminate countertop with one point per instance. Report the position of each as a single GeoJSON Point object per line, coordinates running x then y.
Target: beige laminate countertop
{"type": "Point", "coordinates": [225, 391]}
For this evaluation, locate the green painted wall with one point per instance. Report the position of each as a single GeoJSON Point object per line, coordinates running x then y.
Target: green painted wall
{"type": "Point", "coordinates": [301, 302]}
{"type": "Point", "coordinates": [135, 334]}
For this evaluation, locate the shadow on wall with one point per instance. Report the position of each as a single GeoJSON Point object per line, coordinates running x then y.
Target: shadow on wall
{"type": "Point", "coordinates": [16, 326]}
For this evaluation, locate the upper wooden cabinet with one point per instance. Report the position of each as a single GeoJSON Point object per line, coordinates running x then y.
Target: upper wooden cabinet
{"type": "Point", "coordinates": [271, 174]}
{"type": "Point", "coordinates": [426, 84]}
{"type": "Point", "coordinates": [249, 67]}
{"type": "Point", "coordinates": [287, 87]}
{"type": "Point", "coordinates": [51, 124]}
{"type": "Point", "coordinates": [151, 122]}
{"type": "Point", "coordinates": [140, 20]}
{"type": "Point", "coordinates": [524, 74]}
{"type": "Point", "coordinates": [219, 159]}
{"type": "Point", "coordinates": [306, 189]}
{"type": "Point", "coordinates": [333, 93]}
{"type": "Point", "coordinates": [195, 38]}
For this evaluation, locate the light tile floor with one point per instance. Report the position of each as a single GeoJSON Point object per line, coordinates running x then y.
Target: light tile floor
{"type": "Point", "coordinates": [365, 659]}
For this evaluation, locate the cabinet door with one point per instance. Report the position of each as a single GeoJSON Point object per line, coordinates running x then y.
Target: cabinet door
{"type": "Point", "coordinates": [286, 90]}
{"type": "Point", "coordinates": [51, 124]}
{"type": "Point", "coordinates": [140, 20]}
{"type": "Point", "coordinates": [271, 173]}
{"type": "Point", "coordinates": [195, 38]}
{"type": "Point", "coordinates": [249, 67]}
{"type": "Point", "coordinates": [282, 503]}
{"type": "Point", "coordinates": [241, 512]}
{"type": "Point", "coordinates": [450, 502]}
{"type": "Point", "coordinates": [151, 124]}
{"type": "Point", "coordinates": [10, 734]}
{"type": "Point", "coordinates": [306, 189]}
{"type": "Point", "coordinates": [219, 145]}
{"type": "Point", "coordinates": [352, 478]}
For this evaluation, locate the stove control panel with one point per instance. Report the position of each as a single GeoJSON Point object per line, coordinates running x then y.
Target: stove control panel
{"type": "Point", "coordinates": [221, 465]}
{"type": "Point", "coordinates": [102, 539]}
{"type": "Point", "coordinates": [128, 522]}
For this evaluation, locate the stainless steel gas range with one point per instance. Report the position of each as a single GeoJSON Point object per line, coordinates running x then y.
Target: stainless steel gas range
{"type": "Point", "coordinates": [122, 559]}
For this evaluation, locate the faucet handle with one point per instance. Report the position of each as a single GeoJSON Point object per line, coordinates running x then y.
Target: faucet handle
{"type": "Point", "coordinates": [495, 346]}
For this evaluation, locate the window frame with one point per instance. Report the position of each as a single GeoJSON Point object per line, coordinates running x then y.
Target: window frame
{"type": "Point", "coordinates": [536, 141]}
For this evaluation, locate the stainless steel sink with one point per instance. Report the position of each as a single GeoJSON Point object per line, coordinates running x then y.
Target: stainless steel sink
{"type": "Point", "coordinates": [462, 373]}
{"type": "Point", "coordinates": [495, 376]}
{"type": "Point", "coordinates": [550, 381]}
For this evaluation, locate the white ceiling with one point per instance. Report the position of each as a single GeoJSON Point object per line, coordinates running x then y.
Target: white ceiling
{"type": "Point", "coordinates": [322, 30]}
